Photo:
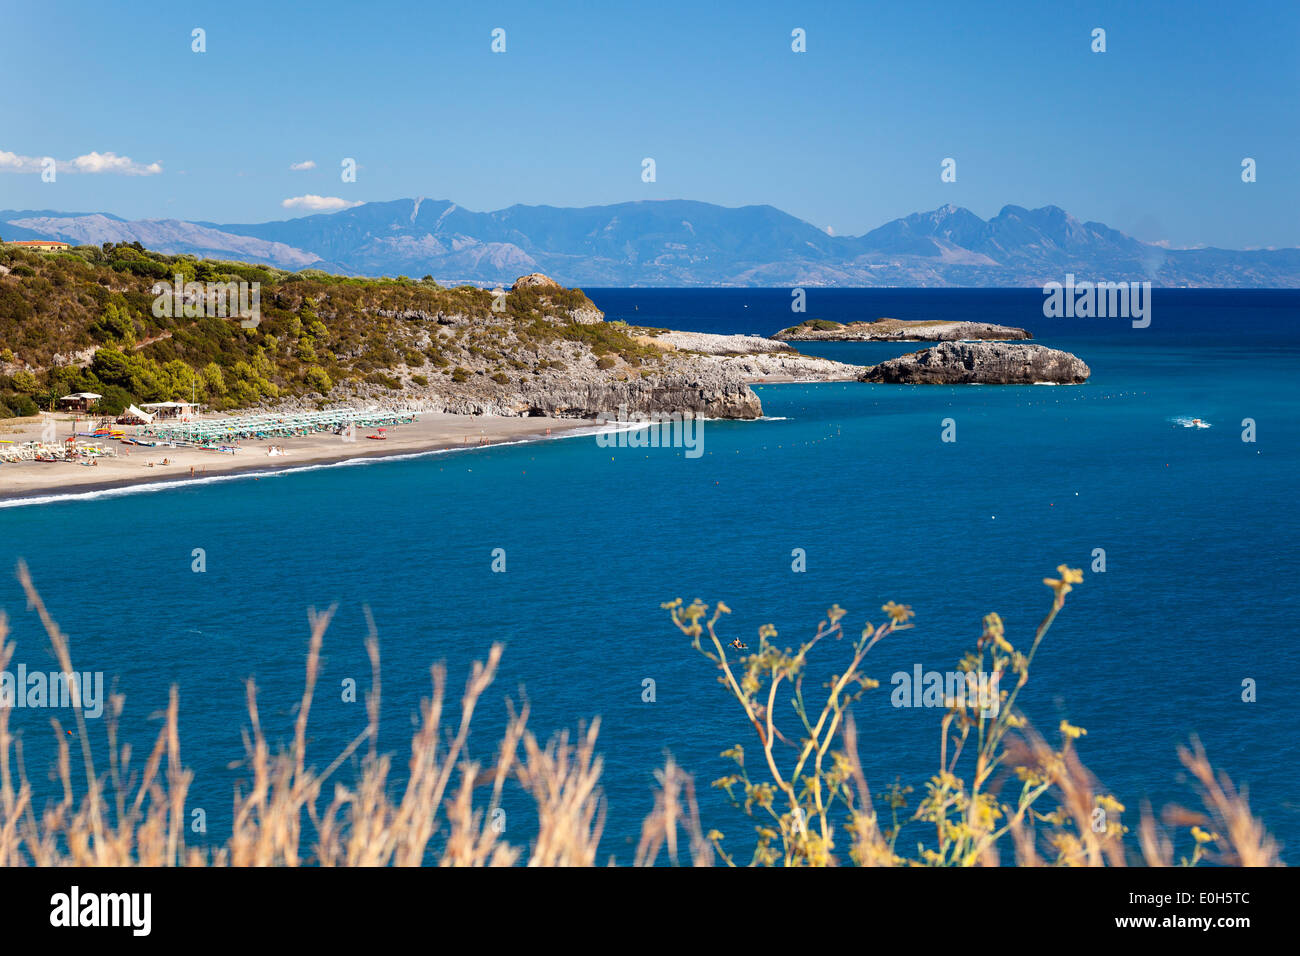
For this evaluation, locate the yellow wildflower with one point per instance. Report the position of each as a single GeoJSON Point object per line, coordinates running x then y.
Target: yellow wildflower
{"type": "Point", "coordinates": [1108, 803]}
{"type": "Point", "coordinates": [1062, 586]}
{"type": "Point", "coordinates": [1072, 732]}
{"type": "Point", "coordinates": [898, 613]}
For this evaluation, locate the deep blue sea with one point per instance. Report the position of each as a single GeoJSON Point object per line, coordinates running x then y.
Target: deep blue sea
{"type": "Point", "coordinates": [1200, 530]}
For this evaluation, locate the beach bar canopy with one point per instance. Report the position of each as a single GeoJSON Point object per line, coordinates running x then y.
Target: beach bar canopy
{"type": "Point", "coordinates": [165, 410]}
{"type": "Point", "coordinates": [79, 401]}
{"type": "Point", "coordinates": [134, 416]}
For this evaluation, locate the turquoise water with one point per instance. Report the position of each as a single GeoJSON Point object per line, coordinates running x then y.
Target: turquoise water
{"type": "Point", "coordinates": [1199, 528]}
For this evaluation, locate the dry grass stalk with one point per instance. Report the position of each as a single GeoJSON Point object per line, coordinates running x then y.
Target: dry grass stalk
{"type": "Point", "coordinates": [131, 816]}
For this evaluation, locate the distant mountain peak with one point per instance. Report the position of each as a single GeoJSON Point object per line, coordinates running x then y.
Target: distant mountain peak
{"type": "Point", "coordinates": [681, 242]}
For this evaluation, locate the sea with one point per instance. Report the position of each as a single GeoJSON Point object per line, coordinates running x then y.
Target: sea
{"type": "Point", "coordinates": [1184, 627]}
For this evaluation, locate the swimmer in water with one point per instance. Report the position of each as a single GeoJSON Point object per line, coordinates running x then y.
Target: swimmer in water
{"type": "Point", "coordinates": [738, 646]}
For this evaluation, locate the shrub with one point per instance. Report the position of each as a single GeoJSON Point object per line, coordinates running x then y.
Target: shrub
{"type": "Point", "coordinates": [17, 406]}
{"type": "Point", "coordinates": [114, 401]}
{"type": "Point", "coordinates": [25, 382]}
{"type": "Point", "coordinates": [317, 379]}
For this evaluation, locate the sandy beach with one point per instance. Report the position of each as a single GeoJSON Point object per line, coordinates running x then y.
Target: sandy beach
{"type": "Point", "coordinates": [134, 465]}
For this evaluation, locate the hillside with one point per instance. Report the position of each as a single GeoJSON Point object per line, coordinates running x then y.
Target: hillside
{"type": "Point", "coordinates": [84, 320]}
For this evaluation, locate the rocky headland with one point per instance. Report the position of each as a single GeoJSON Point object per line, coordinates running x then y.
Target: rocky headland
{"type": "Point", "coordinates": [567, 362]}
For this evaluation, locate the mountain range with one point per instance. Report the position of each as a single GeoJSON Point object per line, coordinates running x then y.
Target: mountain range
{"type": "Point", "coordinates": [681, 243]}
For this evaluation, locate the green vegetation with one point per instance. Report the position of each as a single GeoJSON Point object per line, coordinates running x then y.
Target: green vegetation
{"type": "Point", "coordinates": [907, 323]}
{"type": "Point", "coordinates": [17, 406]}
{"type": "Point", "coordinates": [84, 321]}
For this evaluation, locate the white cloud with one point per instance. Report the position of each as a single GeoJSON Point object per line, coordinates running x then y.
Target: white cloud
{"type": "Point", "coordinates": [318, 203]}
{"type": "Point", "coordinates": [307, 164]}
{"type": "Point", "coordinates": [112, 163]}
{"type": "Point", "coordinates": [92, 162]}
{"type": "Point", "coordinates": [13, 163]}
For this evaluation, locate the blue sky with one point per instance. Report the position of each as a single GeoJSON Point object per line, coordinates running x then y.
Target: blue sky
{"type": "Point", "coordinates": [1147, 137]}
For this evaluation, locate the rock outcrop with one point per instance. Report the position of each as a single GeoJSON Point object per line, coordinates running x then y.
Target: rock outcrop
{"type": "Point", "coordinates": [753, 358]}
{"type": "Point", "coordinates": [982, 363]}
{"type": "Point", "coordinates": [709, 343]}
{"type": "Point", "coordinates": [899, 330]}
{"type": "Point", "coordinates": [535, 280]}
{"type": "Point", "coordinates": [707, 392]}
{"type": "Point", "coordinates": [783, 367]}
{"type": "Point", "coordinates": [422, 315]}
{"type": "Point", "coordinates": [587, 315]}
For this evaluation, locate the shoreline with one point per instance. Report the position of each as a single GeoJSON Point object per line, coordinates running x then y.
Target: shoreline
{"type": "Point", "coordinates": [138, 467]}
